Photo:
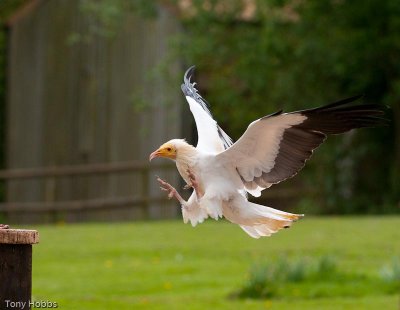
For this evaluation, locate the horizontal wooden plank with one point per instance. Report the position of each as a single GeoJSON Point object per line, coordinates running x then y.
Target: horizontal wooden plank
{"type": "Point", "coordinates": [79, 205]}
{"type": "Point", "coordinates": [88, 169]}
{"type": "Point", "coordinates": [18, 236]}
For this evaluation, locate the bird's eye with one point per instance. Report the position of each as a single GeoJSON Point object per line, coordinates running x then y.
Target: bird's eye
{"type": "Point", "coordinates": [169, 149]}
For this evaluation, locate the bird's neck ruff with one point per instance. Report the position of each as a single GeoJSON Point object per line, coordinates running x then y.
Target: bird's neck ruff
{"type": "Point", "coordinates": [186, 155]}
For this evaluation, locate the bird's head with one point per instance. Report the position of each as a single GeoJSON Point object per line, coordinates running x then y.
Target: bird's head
{"type": "Point", "coordinates": [170, 149]}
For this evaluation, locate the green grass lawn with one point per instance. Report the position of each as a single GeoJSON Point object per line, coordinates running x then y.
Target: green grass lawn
{"type": "Point", "coordinates": [169, 265]}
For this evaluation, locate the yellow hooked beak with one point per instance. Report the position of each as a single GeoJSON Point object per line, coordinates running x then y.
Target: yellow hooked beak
{"type": "Point", "coordinates": [155, 154]}
{"type": "Point", "coordinates": [166, 151]}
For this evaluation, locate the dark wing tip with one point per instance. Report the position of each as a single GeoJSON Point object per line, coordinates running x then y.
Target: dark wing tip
{"type": "Point", "coordinates": [335, 104]}
{"type": "Point", "coordinates": [188, 74]}
{"type": "Point", "coordinates": [339, 117]}
{"type": "Point", "coordinates": [188, 88]}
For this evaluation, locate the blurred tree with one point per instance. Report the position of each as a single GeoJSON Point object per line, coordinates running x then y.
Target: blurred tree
{"type": "Point", "coordinates": [297, 54]}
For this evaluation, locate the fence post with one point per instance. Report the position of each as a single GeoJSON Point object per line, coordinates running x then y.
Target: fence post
{"type": "Point", "coordinates": [16, 266]}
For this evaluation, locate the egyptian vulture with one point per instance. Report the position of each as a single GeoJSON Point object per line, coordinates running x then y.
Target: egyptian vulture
{"type": "Point", "coordinates": [271, 150]}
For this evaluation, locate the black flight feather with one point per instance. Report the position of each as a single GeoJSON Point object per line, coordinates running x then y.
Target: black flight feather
{"type": "Point", "coordinates": [299, 141]}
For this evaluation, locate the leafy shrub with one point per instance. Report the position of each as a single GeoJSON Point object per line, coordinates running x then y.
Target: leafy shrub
{"type": "Point", "coordinates": [265, 279]}
{"type": "Point", "coordinates": [391, 272]}
{"type": "Point", "coordinates": [315, 278]}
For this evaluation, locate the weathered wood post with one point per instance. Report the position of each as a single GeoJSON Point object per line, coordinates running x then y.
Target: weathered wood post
{"type": "Point", "coordinates": [16, 265]}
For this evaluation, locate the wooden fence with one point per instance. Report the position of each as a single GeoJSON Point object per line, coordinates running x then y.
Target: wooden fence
{"type": "Point", "coordinates": [284, 197]}
{"type": "Point", "coordinates": [97, 99]}
{"type": "Point", "coordinates": [142, 201]}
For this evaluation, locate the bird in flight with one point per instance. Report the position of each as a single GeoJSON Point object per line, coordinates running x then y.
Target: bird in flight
{"type": "Point", "coordinates": [271, 150]}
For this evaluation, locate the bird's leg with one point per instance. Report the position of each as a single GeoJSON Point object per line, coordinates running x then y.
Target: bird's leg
{"type": "Point", "coordinates": [195, 184]}
{"type": "Point", "coordinates": [4, 226]}
{"type": "Point", "coordinates": [172, 192]}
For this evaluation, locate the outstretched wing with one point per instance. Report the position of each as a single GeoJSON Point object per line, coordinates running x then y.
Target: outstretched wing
{"type": "Point", "coordinates": [211, 138]}
{"type": "Point", "coordinates": [276, 147]}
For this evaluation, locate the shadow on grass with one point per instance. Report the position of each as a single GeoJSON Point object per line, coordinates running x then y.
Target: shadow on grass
{"type": "Point", "coordinates": [306, 278]}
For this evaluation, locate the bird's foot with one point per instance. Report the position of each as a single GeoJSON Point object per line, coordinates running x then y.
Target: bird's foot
{"type": "Point", "coordinates": [194, 184]}
{"type": "Point", "coordinates": [4, 226]}
{"type": "Point", "coordinates": [172, 192]}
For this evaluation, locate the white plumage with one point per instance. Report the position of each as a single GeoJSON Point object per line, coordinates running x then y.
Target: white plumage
{"type": "Point", "coordinates": [272, 149]}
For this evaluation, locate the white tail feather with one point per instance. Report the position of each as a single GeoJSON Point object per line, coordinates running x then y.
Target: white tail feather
{"type": "Point", "coordinates": [250, 231]}
{"type": "Point", "coordinates": [257, 220]}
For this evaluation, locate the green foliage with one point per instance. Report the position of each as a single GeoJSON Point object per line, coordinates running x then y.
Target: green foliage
{"type": "Point", "coordinates": [277, 280]}
{"type": "Point", "coordinates": [8, 7]}
{"type": "Point", "coordinates": [391, 272]}
{"type": "Point", "coordinates": [301, 54]}
{"type": "Point", "coordinates": [107, 17]}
